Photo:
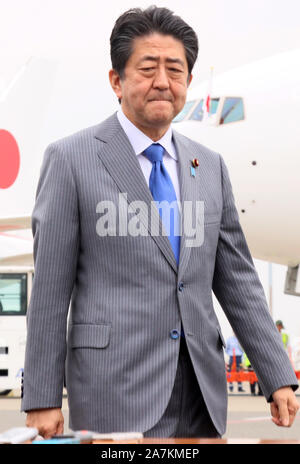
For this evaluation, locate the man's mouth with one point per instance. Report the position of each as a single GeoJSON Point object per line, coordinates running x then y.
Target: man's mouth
{"type": "Point", "coordinates": [160, 99]}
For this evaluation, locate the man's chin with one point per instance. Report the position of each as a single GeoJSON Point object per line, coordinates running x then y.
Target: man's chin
{"type": "Point", "coordinates": [160, 118]}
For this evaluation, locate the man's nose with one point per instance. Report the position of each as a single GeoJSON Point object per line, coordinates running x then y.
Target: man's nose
{"type": "Point", "coordinates": [161, 80]}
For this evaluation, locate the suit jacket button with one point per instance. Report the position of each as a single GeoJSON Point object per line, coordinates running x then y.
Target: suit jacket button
{"type": "Point", "coordinates": [174, 334]}
{"type": "Point", "coordinates": [180, 287]}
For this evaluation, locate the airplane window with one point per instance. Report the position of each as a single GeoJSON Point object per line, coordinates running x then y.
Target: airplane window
{"type": "Point", "coordinates": [213, 105]}
{"type": "Point", "coordinates": [187, 107]}
{"type": "Point", "coordinates": [197, 114]}
{"type": "Point", "coordinates": [233, 110]}
{"type": "Point", "coordinates": [13, 294]}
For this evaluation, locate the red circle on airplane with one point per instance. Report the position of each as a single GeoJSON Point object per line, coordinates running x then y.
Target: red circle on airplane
{"type": "Point", "coordinates": [9, 159]}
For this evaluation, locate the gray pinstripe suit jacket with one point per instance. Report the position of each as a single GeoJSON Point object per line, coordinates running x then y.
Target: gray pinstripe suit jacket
{"type": "Point", "coordinates": [125, 291]}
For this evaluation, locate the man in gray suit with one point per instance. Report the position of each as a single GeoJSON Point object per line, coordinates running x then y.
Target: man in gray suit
{"type": "Point", "coordinates": [143, 349]}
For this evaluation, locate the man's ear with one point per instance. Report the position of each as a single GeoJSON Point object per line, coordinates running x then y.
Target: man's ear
{"type": "Point", "coordinates": [190, 77]}
{"type": "Point", "coordinates": [115, 82]}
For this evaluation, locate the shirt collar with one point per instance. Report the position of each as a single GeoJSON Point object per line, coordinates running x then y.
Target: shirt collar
{"type": "Point", "coordinates": [141, 141]}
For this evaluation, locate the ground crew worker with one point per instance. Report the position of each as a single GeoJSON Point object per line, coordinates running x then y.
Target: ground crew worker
{"type": "Point", "coordinates": [234, 350]}
{"type": "Point", "coordinates": [249, 368]}
{"type": "Point", "coordinates": [284, 335]}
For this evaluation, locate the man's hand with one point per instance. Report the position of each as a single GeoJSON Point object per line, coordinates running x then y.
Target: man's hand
{"type": "Point", "coordinates": [49, 422]}
{"type": "Point", "coordinates": [284, 407]}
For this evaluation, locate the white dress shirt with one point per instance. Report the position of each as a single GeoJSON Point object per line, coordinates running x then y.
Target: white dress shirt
{"type": "Point", "coordinates": [141, 141]}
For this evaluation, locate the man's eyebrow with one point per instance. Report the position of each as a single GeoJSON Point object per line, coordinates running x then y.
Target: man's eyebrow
{"type": "Point", "coordinates": [156, 58]}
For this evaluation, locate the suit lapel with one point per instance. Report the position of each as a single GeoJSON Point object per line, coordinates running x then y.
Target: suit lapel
{"type": "Point", "coordinates": [188, 191]}
{"type": "Point", "coordinates": [121, 162]}
{"type": "Point", "coordinates": [192, 190]}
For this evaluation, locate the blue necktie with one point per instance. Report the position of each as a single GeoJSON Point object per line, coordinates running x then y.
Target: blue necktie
{"type": "Point", "coordinates": [162, 189]}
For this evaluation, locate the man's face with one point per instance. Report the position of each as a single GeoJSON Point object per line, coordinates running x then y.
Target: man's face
{"type": "Point", "coordinates": [153, 89]}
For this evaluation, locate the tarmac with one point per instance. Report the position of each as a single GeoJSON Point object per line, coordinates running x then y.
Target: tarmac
{"type": "Point", "coordinates": [249, 416]}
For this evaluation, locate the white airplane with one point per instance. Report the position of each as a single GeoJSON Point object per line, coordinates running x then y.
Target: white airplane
{"type": "Point", "coordinates": [23, 104]}
{"type": "Point", "coordinates": [253, 122]}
